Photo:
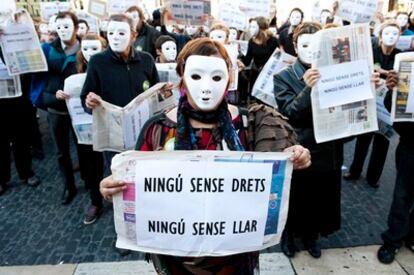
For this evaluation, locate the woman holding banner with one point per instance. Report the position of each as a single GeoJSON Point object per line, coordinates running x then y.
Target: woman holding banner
{"type": "Point", "coordinates": [202, 121]}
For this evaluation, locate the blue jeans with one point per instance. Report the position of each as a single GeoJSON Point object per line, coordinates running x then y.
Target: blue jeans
{"type": "Point", "coordinates": [401, 216]}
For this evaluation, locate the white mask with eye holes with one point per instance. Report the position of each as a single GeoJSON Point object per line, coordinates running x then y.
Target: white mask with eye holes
{"type": "Point", "coordinates": [402, 20]}
{"type": "Point", "coordinates": [119, 36]}
{"type": "Point", "coordinates": [295, 18]}
{"type": "Point", "coordinates": [90, 47]}
{"type": "Point", "coordinates": [134, 15]}
{"type": "Point", "coordinates": [190, 30]}
{"type": "Point", "coordinates": [253, 28]}
{"type": "Point", "coordinates": [273, 30]}
{"type": "Point", "coordinates": [169, 50]}
{"type": "Point", "coordinates": [65, 28]}
{"type": "Point", "coordinates": [232, 35]}
{"type": "Point", "coordinates": [390, 36]}
{"type": "Point", "coordinates": [324, 17]}
{"type": "Point", "coordinates": [218, 35]}
{"type": "Point", "coordinates": [83, 29]}
{"type": "Point", "coordinates": [206, 79]}
{"type": "Point", "coordinates": [304, 48]}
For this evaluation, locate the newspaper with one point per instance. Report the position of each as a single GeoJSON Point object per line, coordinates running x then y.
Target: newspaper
{"type": "Point", "coordinates": [117, 129]}
{"type": "Point", "coordinates": [81, 121]}
{"type": "Point", "coordinates": [21, 48]}
{"type": "Point", "coordinates": [360, 11]}
{"type": "Point", "coordinates": [133, 214]}
{"type": "Point", "coordinates": [336, 46]}
{"type": "Point", "coordinates": [401, 94]}
{"type": "Point", "coordinates": [190, 12]}
{"type": "Point", "coordinates": [167, 72]}
{"type": "Point", "coordinates": [263, 87]}
{"type": "Point", "coordinates": [48, 9]}
{"type": "Point", "coordinates": [9, 85]}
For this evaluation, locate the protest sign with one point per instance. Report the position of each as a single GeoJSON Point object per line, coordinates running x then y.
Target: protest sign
{"type": "Point", "coordinates": [98, 9]}
{"type": "Point", "coordinates": [231, 211]}
{"type": "Point", "coordinates": [233, 51]}
{"type": "Point", "coordinates": [232, 16]}
{"type": "Point", "coordinates": [405, 42]}
{"type": "Point", "coordinates": [263, 87]}
{"type": "Point", "coordinates": [8, 6]}
{"type": "Point", "coordinates": [344, 83]}
{"type": "Point", "coordinates": [81, 121]}
{"type": "Point", "coordinates": [403, 91]}
{"type": "Point", "coordinates": [117, 129]}
{"type": "Point", "coordinates": [21, 49]}
{"type": "Point", "coordinates": [255, 8]}
{"type": "Point", "coordinates": [243, 46]}
{"type": "Point", "coordinates": [120, 6]}
{"type": "Point", "coordinates": [9, 85]}
{"type": "Point", "coordinates": [93, 21]}
{"type": "Point", "coordinates": [190, 12]}
{"type": "Point", "coordinates": [357, 11]}
{"type": "Point", "coordinates": [341, 46]}
{"type": "Point", "coordinates": [48, 9]}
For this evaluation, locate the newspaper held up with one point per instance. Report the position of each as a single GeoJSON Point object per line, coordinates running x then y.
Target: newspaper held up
{"type": "Point", "coordinates": [9, 85]}
{"type": "Point", "coordinates": [117, 129]}
{"type": "Point", "coordinates": [338, 46]}
{"type": "Point", "coordinates": [246, 216]}
{"type": "Point", "coordinates": [403, 94]}
{"type": "Point", "coordinates": [263, 87]}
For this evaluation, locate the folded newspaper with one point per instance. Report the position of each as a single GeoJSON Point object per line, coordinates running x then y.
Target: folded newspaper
{"type": "Point", "coordinates": [347, 90]}
{"type": "Point", "coordinates": [403, 95]}
{"type": "Point", "coordinates": [117, 129]}
{"type": "Point", "coordinates": [201, 203]}
{"type": "Point", "coordinates": [263, 87]}
{"type": "Point", "coordinates": [9, 85]}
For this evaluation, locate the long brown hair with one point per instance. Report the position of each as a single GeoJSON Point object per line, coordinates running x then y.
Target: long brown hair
{"type": "Point", "coordinates": [80, 59]}
{"type": "Point", "coordinates": [264, 33]}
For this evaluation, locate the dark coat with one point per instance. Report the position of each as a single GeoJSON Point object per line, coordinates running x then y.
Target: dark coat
{"type": "Point", "coordinates": [146, 39]}
{"type": "Point", "coordinates": [294, 101]}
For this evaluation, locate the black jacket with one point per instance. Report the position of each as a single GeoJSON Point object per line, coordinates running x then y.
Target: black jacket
{"type": "Point", "coordinates": [294, 101]}
{"type": "Point", "coordinates": [146, 39]}
{"type": "Point", "coordinates": [117, 81]}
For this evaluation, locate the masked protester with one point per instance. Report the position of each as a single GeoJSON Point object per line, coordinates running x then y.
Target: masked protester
{"type": "Point", "coordinates": [286, 35]}
{"type": "Point", "coordinates": [119, 73]}
{"type": "Point", "coordinates": [83, 28]}
{"type": "Point", "coordinates": [384, 55]}
{"type": "Point", "coordinates": [166, 29]}
{"type": "Point", "coordinates": [202, 121]}
{"type": "Point", "coordinates": [166, 49]}
{"type": "Point", "coordinates": [261, 46]}
{"type": "Point", "coordinates": [314, 210]}
{"type": "Point", "coordinates": [402, 20]}
{"type": "Point", "coordinates": [146, 34]}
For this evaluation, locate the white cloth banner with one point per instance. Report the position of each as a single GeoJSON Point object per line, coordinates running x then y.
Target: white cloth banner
{"type": "Point", "coordinates": [231, 211]}
{"type": "Point", "coordinates": [255, 8]}
{"type": "Point", "coordinates": [357, 11]}
{"type": "Point", "coordinates": [9, 85]}
{"type": "Point", "coordinates": [81, 121]}
{"type": "Point", "coordinates": [344, 83]}
{"type": "Point", "coordinates": [232, 16]}
{"type": "Point", "coordinates": [263, 87]}
{"type": "Point", "coordinates": [120, 6]}
{"type": "Point", "coordinates": [48, 9]}
{"type": "Point", "coordinates": [190, 12]}
{"type": "Point", "coordinates": [21, 49]}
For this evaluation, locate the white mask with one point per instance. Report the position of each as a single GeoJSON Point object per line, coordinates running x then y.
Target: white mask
{"type": "Point", "coordinates": [65, 28]}
{"type": "Point", "coordinates": [232, 35]}
{"type": "Point", "coordinates": [295, 18]}
{"type": "Point", "coordinates": [304, 48]}
{"type": "Point", "coordinates": [119, 35]}
{"type": "Point", "coordinates": [324, 16]}
{"type": "Point", "coordinates": [402, 20]}
{"type": "Point", "coordinates": [273, 30]}
{"type": "Point", "coordinates": [169, 50]}
{"type": "Point", "coordinates": [52, 24]}
{"type": "Point", "coordinates": [190, 30]}
{"type": "Point", "coordinates": [218, 35]}
{"type": "Point", "coordinates": [43, 28]}
{"type": "Point", "coordinates": [206, 79]}
{"type": "Point", "coordinates": [253, 28]}
{"type": "Point", "coordinates": [83, 29]}
{"type": "Point", "coordinates": [90, 47]}
{"type": "Point", "coordinates": [134, 17]}
{"type": "Point", "coordinates": [390, 36]}
{"type": "Point", "coordinates": [170, 28]}
{"type": "Point", "coordinates": [103, 26]}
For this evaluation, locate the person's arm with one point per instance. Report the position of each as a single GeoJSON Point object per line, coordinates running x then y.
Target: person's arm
{"type": "Point", "coordinates": [391, 82]}
{"type": "Point", "coordinates": [91, 85]}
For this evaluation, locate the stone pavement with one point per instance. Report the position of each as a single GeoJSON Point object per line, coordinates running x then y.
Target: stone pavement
{"type": "Point", "coordinates": [359, 260]}
{"type": "Point", "coordinates": [36, 230]}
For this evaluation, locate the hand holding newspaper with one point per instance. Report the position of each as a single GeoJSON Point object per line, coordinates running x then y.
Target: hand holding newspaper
{"type": "Point", "coordinates": [117, 129]}
{"type": "Point", "coordinates": [249, 214]}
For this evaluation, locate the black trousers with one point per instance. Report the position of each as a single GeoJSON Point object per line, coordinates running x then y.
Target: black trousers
{"type": "Point", "coordinates": [378, 156]}
{"type": "Point", "coordinates": [401, 216]}
{"type": "Point", "coordinates": [14, 117]}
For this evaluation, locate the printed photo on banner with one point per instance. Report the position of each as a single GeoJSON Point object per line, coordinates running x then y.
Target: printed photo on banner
{"type": "Point", "coordinates": [232, 212]}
